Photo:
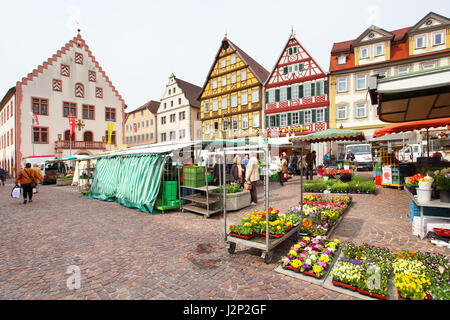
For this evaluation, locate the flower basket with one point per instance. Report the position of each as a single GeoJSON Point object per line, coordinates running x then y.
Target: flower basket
{"type": "Point", "coordinates": [289, 267]}
{"type": "Point", "coordinates": [343, 285]}
{"type": "Point", "coordinates": [243, 236]}
{"type": "Point", "coordinates": [371, 294]}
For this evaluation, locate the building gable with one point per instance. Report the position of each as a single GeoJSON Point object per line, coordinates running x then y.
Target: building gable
{"type": "Point", "coordinates": [430, 22]}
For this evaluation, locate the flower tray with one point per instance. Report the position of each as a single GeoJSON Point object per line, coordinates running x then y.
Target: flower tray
{"type": "Point", "coordinates": [428, 297]}
{"type": "Point", "coordinates": [312, 274]}
{"type": "Point", "coordinates": [289, 267]}
{"type": "Point", "coordinates": [371, 294]}
{"type": "Point", "coordinates": [343, 285]}
{"type": "Point", "coordinates": [272, 235]}
{"type": "Point", "coordinates": [242, 236]}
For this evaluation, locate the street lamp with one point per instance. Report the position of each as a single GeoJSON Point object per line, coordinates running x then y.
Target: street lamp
{"type": "Point", "coordinates": [59, 136]}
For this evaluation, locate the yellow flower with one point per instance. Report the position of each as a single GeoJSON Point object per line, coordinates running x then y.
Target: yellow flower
{"type": "Point", "coordinates": [295, 263]}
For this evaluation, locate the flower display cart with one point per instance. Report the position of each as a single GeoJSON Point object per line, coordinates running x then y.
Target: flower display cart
{"type": "Point", "coordinates": [392, 174]}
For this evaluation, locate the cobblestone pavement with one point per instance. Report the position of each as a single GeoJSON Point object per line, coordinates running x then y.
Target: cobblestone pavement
{"type": "Point", "coordinates": [126, 254]}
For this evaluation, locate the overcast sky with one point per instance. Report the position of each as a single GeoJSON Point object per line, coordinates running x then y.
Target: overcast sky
{"type": "Point", "coordinates": [140, 43]}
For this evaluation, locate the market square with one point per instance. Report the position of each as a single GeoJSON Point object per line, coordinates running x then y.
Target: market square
{"type": "Point", "coordinates": [291, 170]}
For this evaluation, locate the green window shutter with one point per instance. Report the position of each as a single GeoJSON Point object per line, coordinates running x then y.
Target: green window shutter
{"type": "Point", "coordinates": [312, 89]}
{"type": "Point", "coordinates": [302, 118]}
{"type": "Point", "coordinates": [325, 87]}
{"type": "Point", "coordinates": [326, 114]}
{"type": "Point", "coordinates": [289, 93]}
{"type": "Point", "coordinates": [300, 91]}
{"type": "Point", "coordinates": [290, 51]}
{"type": "Point", "coordinates": [285, 70]}
{"type": "Point", "coordinates": [277, 95]}
{"type": "Point", "coordinates": [289, 119]}
{"type": "Point", "coordinates": [313, 116]}
{"type": "Point", "coordinates": [267, 97]}
{"type": "Point", "coordinates": [277, 120]}
{"type": "Point", "coordinates": [300, 66]}
{"type": "Point", "coordinates": [267, 122]}
{"type": "Point", "coordinates": [318, 87]}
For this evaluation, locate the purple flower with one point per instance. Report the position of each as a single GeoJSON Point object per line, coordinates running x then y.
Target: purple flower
{"type": "Point", "coordinates": [305, 266]}
{"type": "Point", "coordinates": [327, 252]}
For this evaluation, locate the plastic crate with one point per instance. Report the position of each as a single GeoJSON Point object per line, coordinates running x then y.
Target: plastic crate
{"type": "Point", "coordinates": [195, 183]}
{"type": "Point", "coordinates": [170, 190]}
{"type": "Point", "coordinates": [193, 172]}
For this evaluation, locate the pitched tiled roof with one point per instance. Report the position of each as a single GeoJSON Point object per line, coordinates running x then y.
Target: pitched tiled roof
{"type": "Point", "coordinates": [152, 106]}
{"type": "Point", "coordinates": [191, 91]}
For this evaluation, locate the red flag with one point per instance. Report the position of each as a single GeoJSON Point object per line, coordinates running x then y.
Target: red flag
{"type": "Point", "coordinates": [72, 126]}
{"type": "Point", "coordinates": [36, 118]}
{"type": "Point", "coordinates": [135, 127]}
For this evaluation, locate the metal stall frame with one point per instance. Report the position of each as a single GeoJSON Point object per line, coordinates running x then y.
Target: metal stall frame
{"type": "Point", "coordinates": [269, 244]}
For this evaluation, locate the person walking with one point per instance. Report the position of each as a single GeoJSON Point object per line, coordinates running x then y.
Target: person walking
{"type": "Point", "coordinates": [27, 177]}
{"type": "Point", "coordinates": [282, 167]}
{"type": "Point", "coordinates": [237, 171]}
{"type": "Point", "coordinates": [252, 176]}
{"type": "Point", "coordinates": [310, 163]}
{"type": "Point", "coordinates": [3, 174]}
{"type": "Point", "coordinates": [38, 172]}
{"type": "Point", "coordinates": [294, 163]}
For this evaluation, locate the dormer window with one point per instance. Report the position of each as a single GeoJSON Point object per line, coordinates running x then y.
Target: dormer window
{"type": "Point", "coordinates": [420, 42]}
{"type": "Point", "coordinates": [342, 59]}
{"type": "Point", "coordinates": [438, 38]}
{"type": "Point", "coordinates": [364, 53]}
{"type": "Point", "coordinates": [379, 50]}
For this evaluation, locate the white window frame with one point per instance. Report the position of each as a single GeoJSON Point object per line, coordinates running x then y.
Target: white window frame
{"type": "Point", "coordinates": [428, 65]}
{"type": "Point", "coordinates": [295, 118]}
{"type": "Point", "coordinates": [234, 124]}
{"type": "Point", "coordinates": [244, 124]}
{"type": "Point", "coordinates": [232, 59]}
{"type": "Point", "coordinates": [215, 105]}
{"type": "Point", "coordinates": [376, 50]}
{"type": "Point", "coordinates": [214, 83]}
{"type": "Point", "coordinates": [339, 82]}
{"type": "Point", "coordinates": [320, 115]}
{"type": "Point", "coordinates": [225, 125]}
{"type": "Point", "coordinates": [358, 78]}
{"type": "Point", "coordinates": [223, 81]}
{"type": "Point", "coordinates": [342, 59]}
{"type": "Point", "coordinates": [307, 116]}
{"type": "Point", "coordinates": [223, 63]}
{"type": "Point", "coordinates": [182, 133]}
{"type": "Point", "coordinates": [294, 92]}
{"type": "Point", "coordinates": [307, 90]}
{"type": "Point", "coordinates": [271, 96]}
{"type": "Point", "coordinates": [224, 105]}
{"type": "Point", "coordinates": [216, 130]}
{"type": "Point", "coordinates": [244, 75]}
{"type": "Point", "coordinates": [283, 94]}
{"type": "Point", "coordinates": [340, 108]}
{"type": "Point", "coordinates": [234, 100]}
{"type": "Point", "coordinates": [206, 107]}
{"type": "Point", "coordinates": [272, 121]}
{"type": "Point", "coordinates": [283, 120]}
{"type": "Point", "coordinates": [255, 120]}
{"type": "Point", "coordinates": [255, 96]}
{"type": "Point", "coordinates": [233, 77]}
{"type": "Point", "coordinates": [361, 50]}
{"type": "Point", "coordinates": [321, 88]}
{"type": "Point", "coordinates": [358, 105]}
{"type": "Point", "coordinates": [424, 42]}
{"type": "Point", "coordinates": [207, 127]}
{"type": "Point", "coordinates": [244, 98]}
{"type": "Point", "coordinates": [384, 72]}
{"type": "Point", "coordinates": [399, 70]}
{"type": "Point", "coordinates": [442, 34]}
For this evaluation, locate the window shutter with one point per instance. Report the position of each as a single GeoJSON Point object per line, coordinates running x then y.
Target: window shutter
{"type": "Point", "coordinates": [318, 87]}
{"type": "Point", "coordinates": [290, 51]}
{"type": "Point", "coordinates": [289, 93]}
{"type": "Point", "coordinates": [289, 119]}
{"type": "Point", "coordinates": [267, 97]}
{"type": "Point", "coordinates": [313, 116]}
{"type": "Point", "coordinates": [326, 114]}
{"type": "Point", "coordinates": [312, 89]}
{"type": "Point", "coordinates": [325, 87]}
{"type": "Point", "coordinates": [300, 66]}
{"type": "Point", "coordinates": [300, 91]}
{"type": "Point", "coordinates": [285, 70]}
{"type": "Point", "coordinates": [302, 119]}
{"type": "Point", "coordinates": [267, 122]}
{"type": "Point", "coordinates": [277, 95]}
{"type": "Point", "coordinates": [277, 120]}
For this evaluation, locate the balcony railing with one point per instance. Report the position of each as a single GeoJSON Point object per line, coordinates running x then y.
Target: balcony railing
{"type": "Point", "coordinates": [80, 145]}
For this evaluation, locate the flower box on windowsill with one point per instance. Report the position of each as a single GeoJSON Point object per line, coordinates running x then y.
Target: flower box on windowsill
{"type": "Point", "coordinates": [243, 236]}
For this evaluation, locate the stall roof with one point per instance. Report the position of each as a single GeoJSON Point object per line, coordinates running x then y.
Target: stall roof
{"type": "Point", "coordinates": [331, 135]}
{"type": "Point", "coordinates": [414, 96]}
{"type": "Point", "coordinates": [412, 125]}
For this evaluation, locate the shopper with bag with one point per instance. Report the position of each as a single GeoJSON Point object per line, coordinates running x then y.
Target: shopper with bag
{"type": "Point", "coordinates": [2, 176]}
{"type": "Point", "coordinates": [27, 179]}
{"type": "Point", "coordinates": [252, 177]}
{"type": "Point", "coordinates": [282, 168]}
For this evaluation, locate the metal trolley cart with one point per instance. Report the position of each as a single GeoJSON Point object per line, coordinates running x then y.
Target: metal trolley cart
{"type": "Point", "coordinates": [267, 244]}
{"type": "Point", "coordinates": [391, 173]}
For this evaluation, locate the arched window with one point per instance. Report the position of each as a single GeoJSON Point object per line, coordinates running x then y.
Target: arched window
{"type": "Point", "coordinates": [79, 90]}
{"type": "Point", "coordinates": [67, 135]}
{"type": "Point", "coordinates": [88, 136]}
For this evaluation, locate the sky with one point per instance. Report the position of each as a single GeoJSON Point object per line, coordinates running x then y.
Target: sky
{"type": "Point", "coordinates": [140, 44]}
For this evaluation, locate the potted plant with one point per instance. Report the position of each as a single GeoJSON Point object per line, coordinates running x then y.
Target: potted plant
{"type": "Point", "coordinates": [237, 198]}
{"type": "Point", "coordinates": [244, 230]}
{"type": "Point", "coordinates": [442, 180]}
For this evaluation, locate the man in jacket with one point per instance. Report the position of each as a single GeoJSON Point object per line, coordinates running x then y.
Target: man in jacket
{"type": "Point", "coordinates": [310, 163]}
{"type": "Point", "coordinates": [27, 177]}
{"type": "Point", "coordinates": [2, 176]}
{"type": "Point", "coordinates": [252, 176]}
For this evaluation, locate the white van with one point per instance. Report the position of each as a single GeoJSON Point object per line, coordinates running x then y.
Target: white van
{"type": "Point", "coordinates": [363, 155]}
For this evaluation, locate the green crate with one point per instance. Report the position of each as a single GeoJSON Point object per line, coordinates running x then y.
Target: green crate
{"type": "Point", "coordinates": [193, 172]}
{"type": "Point", "coordinates": [169, 190]}
{"type": "Point", "coordinates": [196, 183]}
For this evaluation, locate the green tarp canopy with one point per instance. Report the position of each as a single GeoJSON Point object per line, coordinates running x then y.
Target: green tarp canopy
{"type": "Point", "coordinates": [133, 180]}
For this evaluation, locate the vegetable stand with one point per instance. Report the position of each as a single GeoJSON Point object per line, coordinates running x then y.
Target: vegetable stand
{"type": "Point", "coordinates": [266, 244]}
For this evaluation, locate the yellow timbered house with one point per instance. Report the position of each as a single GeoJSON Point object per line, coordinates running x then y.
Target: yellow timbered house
{"type": "Point", "coordinates": [232, 96]}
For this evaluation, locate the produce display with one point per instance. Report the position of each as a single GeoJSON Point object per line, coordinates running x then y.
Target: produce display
{"type": "Point", "coordinates": [320, 213]}
{"type": "Point", "coordinates": [356, 185]}
{"type": "Point", "coordinates": [311, 256]}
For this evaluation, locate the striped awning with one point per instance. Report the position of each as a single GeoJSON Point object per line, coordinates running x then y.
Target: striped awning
{"type": "Point", "coordinates": [331, 135]}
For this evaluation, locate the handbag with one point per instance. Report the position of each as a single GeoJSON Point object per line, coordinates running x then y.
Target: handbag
{"type": "Point", "coordinates": [15, 193]}
{"type": "Point", "coordinates": [285, 176]}
{"type": "Point", "coordinates": [247, 186]}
